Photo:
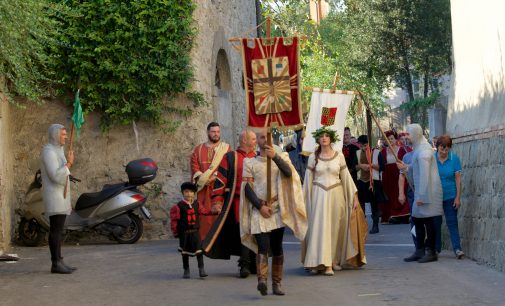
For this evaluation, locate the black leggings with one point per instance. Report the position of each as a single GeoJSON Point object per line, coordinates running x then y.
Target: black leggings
{"type": "Point", "coordinates": [185, 260]}
{"type": "Point", "coordinates": [56, 225]}
{"type": "Point", "coordinates": [272, 241]}
{"type": "Point", "coordinates": [425, 227]}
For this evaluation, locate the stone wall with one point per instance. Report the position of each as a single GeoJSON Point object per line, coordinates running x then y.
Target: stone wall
{"type": "Point", "coordinates": [476, 121]}
{"type": "Point", "coordinates": [219, 65]}
{"type": "Point", "coordinates": [482, 212]}
{"type": "Point", "coordinates": [7, 199]}
{"type": "Point", "coordinates": [100, 156]}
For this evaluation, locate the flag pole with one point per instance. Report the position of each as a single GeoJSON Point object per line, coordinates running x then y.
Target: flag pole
{"type": "Point", "coordinates": [71, 136]}
{"type": "Point", "coordinates": [269, 132]}
{"type": "Point", "coordinates": [377, 123]}
{"type": "Point", "coordinates": [382, 132]}
{"type": "Point", "coordinates": [72, 128]}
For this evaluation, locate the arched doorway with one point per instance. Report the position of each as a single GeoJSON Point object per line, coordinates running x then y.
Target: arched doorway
{"type": "Point", "coordinates": [222, 97]}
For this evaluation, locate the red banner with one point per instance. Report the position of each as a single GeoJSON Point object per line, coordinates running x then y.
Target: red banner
{"type": "Point", "coordinates": [272, 77]}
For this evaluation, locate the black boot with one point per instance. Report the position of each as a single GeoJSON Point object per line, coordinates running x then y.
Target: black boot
{"type": "Point", "coordinates": [72, 268]}
{"type": "Point", "coordinates": [202, 272]}
{"type": "Point", "coordinates": [375, 228]}
{"type": "Point", "coordinates": [58, 267]}
{"type": "Point", "coordinates": [244, 262]}
{"type": "Point", "coordinates": [186, 273]}
{"type": "Point", "coordinates": [431, 255]}
{"type": "Point", "coordinates": [201, 269]}
{"type": "Point", "coordinates": [418, 254]}
{"type": "Point", "coordinates": [244, 271]}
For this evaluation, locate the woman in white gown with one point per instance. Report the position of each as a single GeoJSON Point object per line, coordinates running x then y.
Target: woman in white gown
{"type": "Point", "coordinates": [330, 196]}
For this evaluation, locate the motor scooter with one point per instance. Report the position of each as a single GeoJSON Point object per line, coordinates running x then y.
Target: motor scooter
{"type": "Point", "coordinates": [114, 211]}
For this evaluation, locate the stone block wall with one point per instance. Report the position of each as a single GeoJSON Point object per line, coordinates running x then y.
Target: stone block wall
{"type": "Point", "coordinates": [482, 213]}
{"type": "Point", "coordinates": [100, 157]}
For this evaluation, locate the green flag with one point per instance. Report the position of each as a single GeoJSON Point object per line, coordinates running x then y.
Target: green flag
{"type": "Point", "coordinates": [77, 116]}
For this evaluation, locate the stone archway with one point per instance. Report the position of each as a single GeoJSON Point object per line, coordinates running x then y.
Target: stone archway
{"type": "Point", "coordinates": [222, 97]}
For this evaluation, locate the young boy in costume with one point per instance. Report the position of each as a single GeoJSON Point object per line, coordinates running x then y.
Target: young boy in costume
{"type": "Point", "coordinates": [185, 224]}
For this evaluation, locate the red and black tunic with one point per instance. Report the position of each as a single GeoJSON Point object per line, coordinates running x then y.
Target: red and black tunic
{"type": "Point", "coordinates": [185, 222]}
{"type": "Point", "coordinates": [223, 238]}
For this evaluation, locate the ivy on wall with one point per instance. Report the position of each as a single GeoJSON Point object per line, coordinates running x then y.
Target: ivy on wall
{"type": "Point", "coordinates": [25, 32]}
{"type": "Point", "coordinates": [130, 58]}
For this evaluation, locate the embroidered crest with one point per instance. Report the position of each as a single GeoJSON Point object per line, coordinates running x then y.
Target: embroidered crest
{"type": "Point", "coordinates": [328, 116]}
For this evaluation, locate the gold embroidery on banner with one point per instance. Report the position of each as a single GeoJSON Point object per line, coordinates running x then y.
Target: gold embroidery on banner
{"type": "Point", "coordinates": [327, 188]}
{"type": "Point", "coordinates": [271, 85]}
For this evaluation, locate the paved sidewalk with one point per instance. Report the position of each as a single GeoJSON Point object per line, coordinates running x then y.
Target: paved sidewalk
{"type": "Point", "coordinates": [149, 273]}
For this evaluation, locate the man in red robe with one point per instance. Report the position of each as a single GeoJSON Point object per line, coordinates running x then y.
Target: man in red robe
{"type": "Point", "coordinates": [223, 239]}
{"type": "Point", "coordinates": [205, 160]}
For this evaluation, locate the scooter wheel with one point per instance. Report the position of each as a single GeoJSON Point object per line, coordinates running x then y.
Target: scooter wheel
{"type": "Point", "coordinates": [134, 231]}
{"type": "Point", "coordinates": [30, 232]}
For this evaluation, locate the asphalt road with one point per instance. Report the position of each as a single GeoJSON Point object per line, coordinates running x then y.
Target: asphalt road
{"type": "Point", "coordinates": [150, 273]}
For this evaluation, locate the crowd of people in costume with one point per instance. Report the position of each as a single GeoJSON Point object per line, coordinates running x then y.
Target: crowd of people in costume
{"type": "Point", "coordinates": [234, 206]}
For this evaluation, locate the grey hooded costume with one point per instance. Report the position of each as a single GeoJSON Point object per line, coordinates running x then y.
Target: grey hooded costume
{"type": "Point", "coordinates": [427, 185]}
{"type": "Point", "coordinates": [55, 175]}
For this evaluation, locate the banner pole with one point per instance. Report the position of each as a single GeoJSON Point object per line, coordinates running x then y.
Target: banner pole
{"type": "Point", "coordinates": [269, 132]}
{"type": "Point", "coordinates": [383, 134]}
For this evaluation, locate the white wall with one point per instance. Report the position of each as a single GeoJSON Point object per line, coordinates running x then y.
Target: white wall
{"type": "Point", "coordinates": [477, 96]}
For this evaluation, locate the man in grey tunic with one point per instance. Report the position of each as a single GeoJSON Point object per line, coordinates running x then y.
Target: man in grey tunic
{"type": "Point", "coordinates": [55, 169]}
{"type": "Point", "coordinates": [427, 195]}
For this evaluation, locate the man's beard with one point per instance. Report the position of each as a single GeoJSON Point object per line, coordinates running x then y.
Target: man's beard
{"type": "Point", "coordinates": [213, 140]}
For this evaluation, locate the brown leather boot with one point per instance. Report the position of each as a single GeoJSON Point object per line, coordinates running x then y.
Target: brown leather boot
{"type": "Point", "coordinates": [277, 267]}
{"type": "Point", "coordinates": [262, 273]}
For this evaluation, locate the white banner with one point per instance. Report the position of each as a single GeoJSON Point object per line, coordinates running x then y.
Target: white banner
{"type": "Point", "coordinates": [324, 98]}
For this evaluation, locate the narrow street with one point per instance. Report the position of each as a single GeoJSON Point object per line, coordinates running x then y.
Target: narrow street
{"type": "Point", "coordinates": [150, 273]}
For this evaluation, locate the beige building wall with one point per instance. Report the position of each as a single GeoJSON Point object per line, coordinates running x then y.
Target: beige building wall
{"type": "Point", "coordinates": [477, 95]}
{"type": "Point", "coordinates": [476, 120]}
{"type": "Point", "coordinates": [7, 196]}
{"type": "Point", "coordinates": [100, 156]}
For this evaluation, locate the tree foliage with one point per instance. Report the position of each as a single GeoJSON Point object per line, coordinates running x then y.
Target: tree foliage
{"type": "Point", "coordinates": [326, 50]}
{"type": "Point", "coordinates": [25, 32]}
{"type": "Point", "coordinates": [418, 108]}
{"type": "Point", "coordinates": [373, 44]}
{"type": "Point", "coordinates": [130, 58]}
{"type": "Point", "coordinates": [401, 41]}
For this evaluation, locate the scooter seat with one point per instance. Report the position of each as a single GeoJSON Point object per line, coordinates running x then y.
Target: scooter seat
{"type": "Point", "coordinates": [87, 200]}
